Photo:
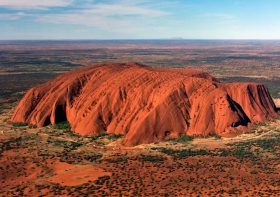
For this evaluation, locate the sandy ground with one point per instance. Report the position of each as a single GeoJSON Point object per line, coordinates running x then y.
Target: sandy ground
{"type": "Point", "coordinates": [51, 162]}
{"type": "Point", "coordinates": [72, 175]}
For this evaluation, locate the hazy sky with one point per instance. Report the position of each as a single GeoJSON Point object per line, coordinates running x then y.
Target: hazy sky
{"type": "Point", "coordinates": [139, 19]}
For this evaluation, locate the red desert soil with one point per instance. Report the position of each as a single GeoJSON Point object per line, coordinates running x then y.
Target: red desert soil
{"type": "Point", "coordinates": [45, 161]}
{"type": "Point", "coordinates": [145, 104]}
{"type": "Point", "coordinates": [72, 175]}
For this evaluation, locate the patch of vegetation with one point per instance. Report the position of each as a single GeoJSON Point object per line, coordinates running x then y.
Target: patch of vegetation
{"type": "Point", "coordinates": [46, 154]}
{"type": "Point", "coordinates": [63, 126]}
{"type": "Point", "coordinates": [114, 136]}
{"type": "Point", "coordinates": [262, 124]}
{"type": "Point", "coordinates": [150, 158]}
{"type": "Point", "coordinates": [108, 136]}
{"type": "Point", "coordinates": [182, 153]}
{"type": "Point", "coordinates": [10, 144]}
{"type": "Point", "coordinates": [242, 150]}
{"type": "Point", "coordinates": [233, 191]}
{"type": "Point", "coordinates": [117, 160]}
{"type": "Point", "coordinates": [76, 158]}
{"type": "Point", "coordinates": [102, 180]}
{"type": "Point", "coordinates": [239, 152]}
{"type": "Point", "coordinates": [32, 126]}
{"type": "Point", "coordinates": [93, 138]}
{"type": "Point", "coordinates": [93, 157]}
{"type": "Point", "coordinates": [15, 143]}
{"type": "Point", "coordinates": [254, 172]}
{"type": "Point", "coordinates": [217, 137]}
{"type": "Point", "coordinates": [20, 124]}
{"type": "Point", "coordinates": [267, 144]}
{"type": "Point", "coordinates": [182, 139]}
{"type": "Point", "coordinates": [68, 145]}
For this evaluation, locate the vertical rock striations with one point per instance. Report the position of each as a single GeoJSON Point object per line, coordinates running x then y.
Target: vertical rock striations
{"type": "Point", "coordinates": [145, 104]}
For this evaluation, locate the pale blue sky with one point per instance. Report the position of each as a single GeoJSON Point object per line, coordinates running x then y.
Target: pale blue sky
{"type": "Point", "coordinates": [139, 19]}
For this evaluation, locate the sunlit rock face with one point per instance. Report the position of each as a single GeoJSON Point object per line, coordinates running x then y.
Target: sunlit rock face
{"type": "Point", "coordinates": [145, 104]}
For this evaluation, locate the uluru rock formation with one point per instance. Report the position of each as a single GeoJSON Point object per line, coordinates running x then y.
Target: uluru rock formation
{"type": "Point", "coordinates": [145, 104]}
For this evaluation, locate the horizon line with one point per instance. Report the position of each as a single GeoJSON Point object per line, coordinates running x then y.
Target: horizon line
{"type": "Point", "coordinates": [147, 39]}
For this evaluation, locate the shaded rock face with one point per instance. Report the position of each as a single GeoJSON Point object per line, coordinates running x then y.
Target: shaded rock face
{"type": "Point", "coordinates": [145, 104]}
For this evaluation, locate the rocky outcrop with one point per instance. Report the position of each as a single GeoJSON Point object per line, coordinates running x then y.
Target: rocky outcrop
{"type": "Point", "coordinates": [145, 104]}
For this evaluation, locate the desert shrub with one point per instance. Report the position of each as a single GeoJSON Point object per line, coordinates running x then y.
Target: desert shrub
{"type": "Point", "coordinates": [45, 153]}
{"type": "Point", "coordinates": [74, 145]}
{"type": "Point", "coordinates": [233, 191]}
{"type": "Point", "coordinates": [191, 153]}
{"type": "Point", "coordinates": [254, 172]}
{"type": "Point", "coordinates": [217, 137]}
{"type": "Point", "coordinates": [93, 138]}
{"type": "Point", "coordinates": [76, 158]}
{"type": "Point", "coordinates": [117, 160]}
{"type": "Point", "coordinates": [151, 158]}
{"type": "Point", "coordinates": [267, 144]}
{"type": "Point", "coordinates": [32, 126]}
{"type": "Point", "coordinates": [69, 145]}
{"type": "Point", "coordinates": [238, 152]}
{"type": "Point", "coordinates": [115, 136]}
{"type": "Point", "coordinates": [93, 157]}
{"type": "Point", "coordinates": [182, 153]}
{"type": "Point", "coordinates": [41, 187]}
{"type": "Point", "coordinates": [14, 143]}
{"type": "Point", "coordinates": [184, 138]}
{"type": "Point", "coordinates": [102, 180]}
{"type": "Point", "coordinates": [63, 126]}
{"type": "Point", "coordinates": [19, 124]}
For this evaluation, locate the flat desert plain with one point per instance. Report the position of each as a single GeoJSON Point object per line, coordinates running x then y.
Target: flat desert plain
{"type": "Point", "coordinates": [52, 160]}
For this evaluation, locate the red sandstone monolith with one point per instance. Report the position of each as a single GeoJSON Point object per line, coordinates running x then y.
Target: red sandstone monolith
{"type": "Point", "coordinates": [145, 104]}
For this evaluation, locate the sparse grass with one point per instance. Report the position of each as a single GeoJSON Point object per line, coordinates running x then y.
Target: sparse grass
{"type": "Point", "coordinates": [262, 124]}
{"type": "Point", "coordinates": [19, 142]}
{"type": "Point", "coordinates": [237, 152]}
{"type": "Point", "coordinates": [182, 153]}
{"type": "Point", "coordinates": [267, 144]}
{"type": "Point", "coordinates": [77, 158]}
{"type": "Point", "coordinates": [69, 145]}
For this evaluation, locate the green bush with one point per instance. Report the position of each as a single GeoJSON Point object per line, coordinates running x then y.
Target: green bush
{"type": "Point", "coordinates": [97, 136]}
{"type": "Point", "coordinates": [217, 137]}
{"type": "Point", "coordinates": [102, 180]}
{"type": "Point", "coordinates": [32, 126]}
{"type": "Point", "coordinates": [150, 158]}
{"type": "Point", "coordinates": [19, 124]}
{"type": "Point", "coordinates": [115, 136]}
{"type": "Point", "coordinates": [184, 138]}
{"type": "Point", "coordinates": [63, 126]}
{"type": "Point", "coordinates": [116, 160]}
